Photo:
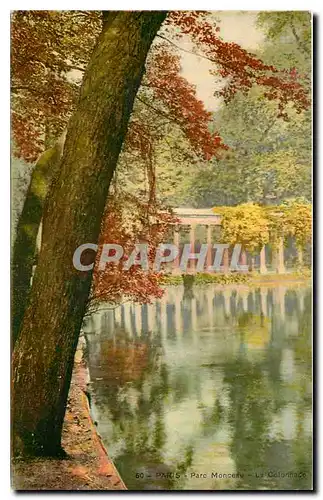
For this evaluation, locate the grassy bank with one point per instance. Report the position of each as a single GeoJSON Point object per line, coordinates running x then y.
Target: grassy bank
{"type": "Point", "coordinates": [87, 465]}
{"type": "Point", "coordinates": [237, 278]}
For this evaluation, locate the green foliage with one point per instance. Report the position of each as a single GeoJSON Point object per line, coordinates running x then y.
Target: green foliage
{"type": "Point", "coordinates": [304, 273]}
{"type": "Point", "coordinates": [291, 26]}
{"type": "Point", "coordinates": [269, 156]}
{"type": "Point", "coordinates": [221, 279]}
{"type": "Point", "coordinates": [285, 176]}
{"type": "Point", "coordinates": [269, 160]}
{"type": "Point", "coordinates": [298, 222]}
{"type": "Point", "coordinates": [293, 218]}
{"type": "Point", "coordinates": [205, 278]}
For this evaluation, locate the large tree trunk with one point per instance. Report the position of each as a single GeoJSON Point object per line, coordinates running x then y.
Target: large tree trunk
{"type": "Point", "coordinates": [44, 352]}
{"type": "Point", "coordinates": [24, 248]}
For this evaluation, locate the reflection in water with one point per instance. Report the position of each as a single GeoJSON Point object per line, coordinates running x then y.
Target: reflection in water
{"type": "Point", "coordinates": [206, 391]}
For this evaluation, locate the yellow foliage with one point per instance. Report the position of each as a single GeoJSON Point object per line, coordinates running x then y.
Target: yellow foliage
{"type": "Point", "coordinates": [253, 225]}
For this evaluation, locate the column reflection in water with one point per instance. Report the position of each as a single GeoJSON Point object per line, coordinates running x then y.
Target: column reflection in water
{"type": "Point", "coordinates": [127, 318]}
{"type": "Point", "coordinates": [117, 315]}
{"type": "Point", "coordinates": [206, 391]}
{"type": "Point", "coordinates": [178, 313]}
{"type": "Point", "coordinates": [226, 302]}
{"type": "Point", "coordinates": [138, 319]}
{"type": "Point", "coordinates": [210, 307]}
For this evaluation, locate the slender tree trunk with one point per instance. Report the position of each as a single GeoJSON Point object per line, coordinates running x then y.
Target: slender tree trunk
{"type": "Point", "coordinates": [24, 248]}
{"type": "Point", "coordinates": [44, 352]}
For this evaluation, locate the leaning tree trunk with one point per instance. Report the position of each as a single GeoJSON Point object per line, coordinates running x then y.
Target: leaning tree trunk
{"type": "Point", "coordinates": [44, 351]}
{"type": "Point", "coordinates": [24, 248]}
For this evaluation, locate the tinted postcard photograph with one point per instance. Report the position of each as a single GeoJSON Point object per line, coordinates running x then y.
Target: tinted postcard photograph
{"type": "Point", "coordinates": [161, 250]}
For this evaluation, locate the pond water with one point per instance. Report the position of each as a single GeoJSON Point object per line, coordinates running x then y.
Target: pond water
{"type": "Point", "coordinates": [206, 392]}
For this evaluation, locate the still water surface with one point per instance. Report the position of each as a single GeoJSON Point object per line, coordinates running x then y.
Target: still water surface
{"type": "Point", "coordinates": [210, 391]}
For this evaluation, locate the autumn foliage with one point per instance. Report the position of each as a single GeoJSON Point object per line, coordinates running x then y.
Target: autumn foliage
{"type": "Point", "coordinates": [240, 68]}
{"type": "Point", "coordinates": [179, 96]}
{"type": "Point", "coordinates": [50, 50]}
{"type": "Point", "coordinates": [127, 223]}
{"type": "Point", "coordinates": [254, 226]}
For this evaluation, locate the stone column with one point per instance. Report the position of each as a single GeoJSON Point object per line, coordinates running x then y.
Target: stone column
{"type": "Point", "coordinates": [243, 258]}
{"type": "Point", "coordinates": [226, 260]}
{"type": "Point", "coordinates": [176, 269]}
{"type": "Point", "coordinates": [280, 265]}
{"type": "Point", "coordinates": [209, 247]}
{"type": "Point", "coordinates": [192, 263]}
{"type": "Point", "coordinates": [263, 268]}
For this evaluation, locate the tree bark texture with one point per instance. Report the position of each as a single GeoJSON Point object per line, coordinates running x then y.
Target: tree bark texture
{"type": "Point", "coordinates": [24, 248]}
{"type": "Point", "coordinates": [44, 352]}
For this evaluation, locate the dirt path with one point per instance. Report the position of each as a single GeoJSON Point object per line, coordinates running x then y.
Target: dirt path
{"type": "Point", "coordinates": [88, 466]}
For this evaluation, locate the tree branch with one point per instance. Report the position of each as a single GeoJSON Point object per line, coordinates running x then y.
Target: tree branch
{"type": "Point", "coordinates": [186, 50]}
{"type": "Point", "coordinates": [159, 112]}
{"type": "Point", "coordinates": [267, 129]}
{"type": "Point", "coordinates": [300, 44]}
